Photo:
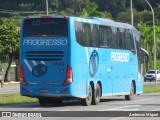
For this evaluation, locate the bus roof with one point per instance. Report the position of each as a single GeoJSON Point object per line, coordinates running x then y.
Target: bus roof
{"type": "Point", "coordinates": [96, 20]}
{"type": "Point", "coordinates": [102, 21]}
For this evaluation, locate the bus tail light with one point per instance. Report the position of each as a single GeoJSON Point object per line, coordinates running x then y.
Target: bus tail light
{"type": "Point", "coordinates": [26, 18]}
{"type": "Point", "coordinates": [69, 76]}
{"type": "Point", "coordinates": [22, 80]}
{"type": "Point", "coordinates": [66, 17]}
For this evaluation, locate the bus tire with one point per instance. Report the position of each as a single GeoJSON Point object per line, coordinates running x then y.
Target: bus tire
{"type": "Point", "coordinates": [131, 95]}
{"type": "Point", "coordinates": [88, 100]}
{"type": "Point", "coordinates": [96, 95]}
{"type": "Point", "coordinates": [56, 101]}
{"type": "Point", "coordinates": [42, 101]}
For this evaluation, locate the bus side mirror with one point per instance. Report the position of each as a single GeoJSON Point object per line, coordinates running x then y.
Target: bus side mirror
{"type": "Point", "coordinates": [146, 58]}
{"type": "Point", "coordinates": [133, 51]}
{"type": "Point", "coordinates": [145, 54]}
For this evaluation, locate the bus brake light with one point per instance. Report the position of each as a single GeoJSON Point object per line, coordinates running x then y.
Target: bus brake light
{"type": "Point", "coordinates": [22, 80]}
{"type": "Point", "coordinates": [26, 18]}
{"type": "Point", "coordinates": [66, 17]}
{"type": "Point", "coordinates": [69, 76]}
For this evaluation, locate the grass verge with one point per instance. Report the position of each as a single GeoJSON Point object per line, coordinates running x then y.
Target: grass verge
{"type": "Point", "coordinates": [151, 88]}
{"type": "Point", "coordinates": [15, 99]}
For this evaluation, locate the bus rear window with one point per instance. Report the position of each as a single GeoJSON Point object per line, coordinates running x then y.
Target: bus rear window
{"type": "Point", "coordinates": [45, 27]}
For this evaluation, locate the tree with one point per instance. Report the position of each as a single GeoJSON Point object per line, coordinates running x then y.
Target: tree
{"type": "Point", "coordinates": [91, 10]}
{"type": "Point", "coordinates": [146, 31]}
{"type": "Point", "coordinates": [9, 41]}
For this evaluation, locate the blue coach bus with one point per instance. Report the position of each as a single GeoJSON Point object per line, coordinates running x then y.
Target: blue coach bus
{"type": "Point", "coordinates": [66, 57]}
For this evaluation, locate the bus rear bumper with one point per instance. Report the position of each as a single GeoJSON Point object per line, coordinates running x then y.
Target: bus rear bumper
{"type": "Point", "coordinates": [56, 92]}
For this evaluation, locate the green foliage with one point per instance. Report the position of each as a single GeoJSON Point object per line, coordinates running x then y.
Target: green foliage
{"type": "Point", "coordinates": [91, 10]}
{"type": "Point", "coordinates": [151, 88]}
{"type": "Point", "coordinates": [9, 41]}
{"type": "Point", "coordinates": [15, 99]}
{"type": "Point", "coordinates": [9, 36]}
{"type": "Point", "coordinates": [147, 41]}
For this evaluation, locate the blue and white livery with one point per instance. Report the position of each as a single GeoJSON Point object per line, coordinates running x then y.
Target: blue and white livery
{"type": "Point", "coordinates": [83, 58]}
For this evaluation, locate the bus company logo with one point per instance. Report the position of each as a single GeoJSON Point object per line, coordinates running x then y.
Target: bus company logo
{"type": "Point", "coordinates": [120, 57]}
{"type": "Point", "coordinates": [93, 63]}
{"type": "Point", "coordinates": [39, 70]}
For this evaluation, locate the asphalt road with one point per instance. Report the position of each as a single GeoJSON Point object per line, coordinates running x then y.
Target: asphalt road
{"type": "Point", "coordinates": [111, 106]}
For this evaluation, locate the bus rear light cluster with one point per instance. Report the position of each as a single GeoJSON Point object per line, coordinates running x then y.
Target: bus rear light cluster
{"type": "Point", "coordinates": [26, 18]}
{"type": "Point", "coordinates": [69, 77]}
{"type": "Point", "coordinates": [66, 17]}
{"type": "Point", "coordinates": [22, 80]}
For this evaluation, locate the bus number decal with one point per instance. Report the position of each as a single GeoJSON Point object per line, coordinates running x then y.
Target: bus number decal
{"type": "Point", "coordinates": [93, 63]}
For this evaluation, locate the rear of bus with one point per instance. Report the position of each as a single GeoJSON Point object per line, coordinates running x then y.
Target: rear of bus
{"type": "Point", "coordinates": [44, 57]}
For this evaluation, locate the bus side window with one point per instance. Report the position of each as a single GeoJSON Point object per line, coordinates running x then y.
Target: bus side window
{"type": "Point", "coordinates": [79, 32]}
{"type": "Point", "coordinates": [129, 41]}
{"type": "Point", "coordinates": [114, 38]}
{"type": "Point", "coordinates": [122, 38]}
{"type": "Point", "coordinates": [104, 42]}
{"type": "Point", "coordinates": [95, 36]}
{"type": "Point", "coordinates": [87, 34]}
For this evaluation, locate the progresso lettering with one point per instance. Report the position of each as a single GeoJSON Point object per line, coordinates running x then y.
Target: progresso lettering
{"type": "Point", "coordinates": [47, 42]}
{"type": "Point", "coordinates": [119, 57]}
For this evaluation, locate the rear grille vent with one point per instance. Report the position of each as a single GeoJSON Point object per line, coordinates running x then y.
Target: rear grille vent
{"type": "Point", "coordinates": [45, 55]}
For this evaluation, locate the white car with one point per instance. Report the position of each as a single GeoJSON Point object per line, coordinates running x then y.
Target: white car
{"type": "Point", "coordinates": [152, 75]}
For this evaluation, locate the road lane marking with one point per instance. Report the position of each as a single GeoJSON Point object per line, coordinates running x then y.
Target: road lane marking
{"type": "Point", "coordinates": [125, 109]}
{"type": "Point", "coordinates": [123, 118]}
{"type": "Point", "coordinates": [35, 108]}
{"type": "Point", "coordinates": [144, 99]}
{"type": "Point", "coordinates": [155, 109]}
{"type": "Point", "coordinates": [117, 108]}
{"type": "Point", "coordinates": [64, 110]}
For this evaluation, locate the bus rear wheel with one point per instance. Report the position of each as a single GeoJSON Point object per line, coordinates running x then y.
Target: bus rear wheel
{"type": "Point", "coordinates": [131, 95]}
{"type": "Point", "coordinates": [42, 101]}
{"type": "Point", "coordinates": [54, 101]}
{"type": "Point", "coordinates": [88, 100]}
{"type": "Point", "coordinates": [96, 95]}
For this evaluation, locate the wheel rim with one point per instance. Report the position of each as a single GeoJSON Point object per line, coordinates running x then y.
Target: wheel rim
{"type": "Point", "coordinates": [132, 91]}
{"type": "Point", "coordinates": [89, 97]}
{"type": "Point", "coordinates": [97, 94]}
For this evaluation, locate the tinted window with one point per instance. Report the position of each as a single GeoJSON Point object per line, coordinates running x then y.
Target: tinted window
{"type": "Point", "coordinates": [151, 72]}
{"type": "Point", "coordinates": [45, 26]}
{"type": "Point", "coordinates": [93, 35]}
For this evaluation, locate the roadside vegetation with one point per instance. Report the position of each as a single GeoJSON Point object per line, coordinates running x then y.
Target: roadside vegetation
{"type": "Point", "coordinates": [15, 99]}
{"type": "Point", "coordinates": [151, 88]}
{"type": "Point", "coordinates": [18, 99]}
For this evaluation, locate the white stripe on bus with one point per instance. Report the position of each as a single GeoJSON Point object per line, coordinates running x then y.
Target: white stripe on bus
{"type": "Point", "coordinates": [43, 62]}
{"type": "Point", "coordinates": [87, 55]}
{"type": "Point", "coordinates": [91, 49]}
{"type": "Point", "coordinates": [27, 64]}
{"type": "Point", "coordinates": [34, 62]}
